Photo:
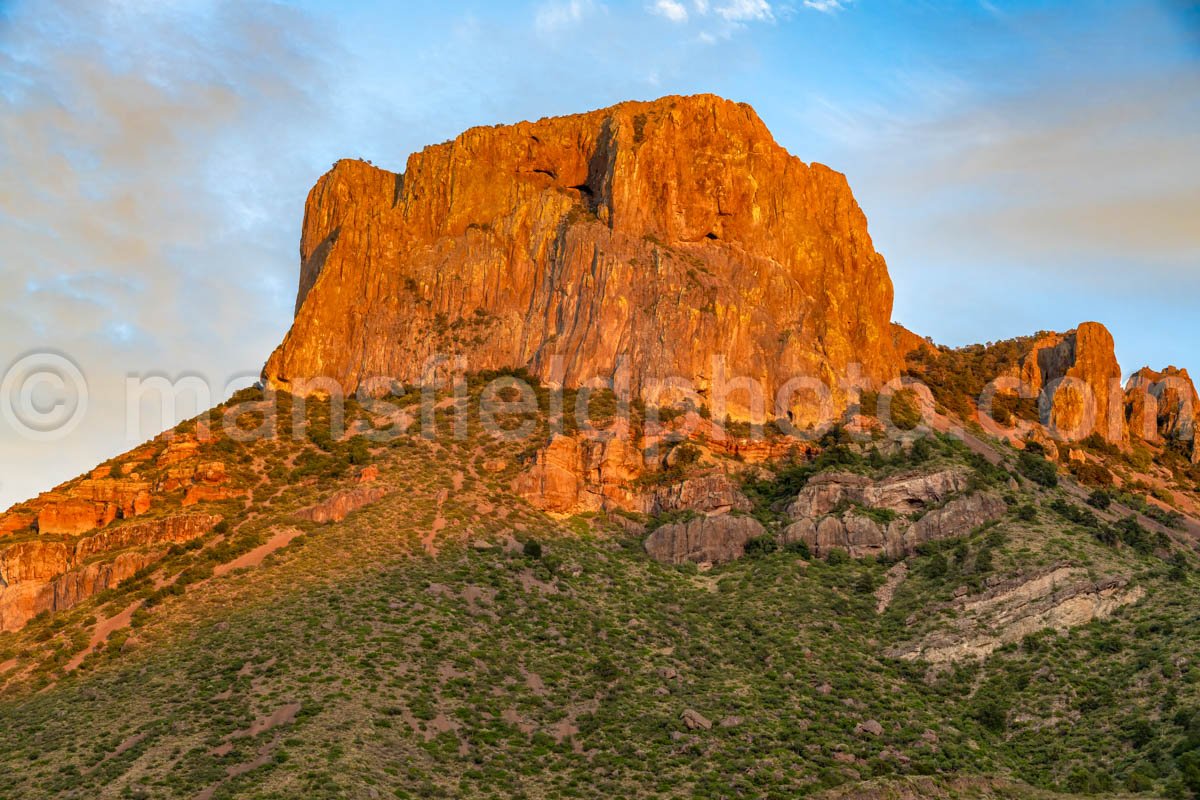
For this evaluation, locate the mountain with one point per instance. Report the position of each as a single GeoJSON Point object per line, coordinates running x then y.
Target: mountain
{"type": "Point", "coordinates": [661, 233]}
{"type": "Point", "coordinates": [978, 578]}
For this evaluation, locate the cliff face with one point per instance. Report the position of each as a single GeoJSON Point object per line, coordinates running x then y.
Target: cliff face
{"type": "Point", "coordinates": [664, 233]}
{"type": "Point", "coordinates": [91, 533]}
{"type": "Point", "coordinates": [1079, 380]}
{"type": "Point", "coordinates": [40, 575]}
{"type": "Point", "coordinates": [1163, 405]}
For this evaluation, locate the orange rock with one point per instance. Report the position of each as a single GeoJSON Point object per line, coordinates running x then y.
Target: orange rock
{"type": "Point", "coordinates": [1163, 405]}
{"type": "Point", "coordinates": [1081, 379]}
{"type": "Point", "coordinates": [573, 474]}
{"type": "Point", "coordinates": [15, 521]}
{"type": "Point", "coordinates": [73, 516]}
{"type": "Point", "coordinates": [101, 472]}
{"type": "Point", "coordinates": [21, 602]}
{"type": "Point", "coordinates": [206, 493]}
{"type": "Point", "coordinates": [368, 474]}
{"type": "Point", "coordinates": [211, 472]}
{"type": "Point", "coordinates": [181, 448]}
{"type": "Point", "coordinates": [168, 530]}
{"type": "Point", "coordinates": [666, 232]}
{"type": "Point", "coordinates": [907, 342]}
{"type": "Point", "coordinates": [130, 497]}
{"type": "Point", "coordinates": [339, 506]}
{"type": "Point", "coordinates": [34, 561]}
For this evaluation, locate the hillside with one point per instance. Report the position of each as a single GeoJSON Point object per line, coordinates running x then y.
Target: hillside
{"type": "Point", "coordinates": [447, 639]}
{"type": "Point", "coordinates": [926, 572]}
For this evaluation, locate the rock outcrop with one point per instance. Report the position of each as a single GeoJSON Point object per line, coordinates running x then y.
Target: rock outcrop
{"type": "Point", "coordinates": [958, 517]}
{"type": "Point", "coordinates": [1077, 379]}
{"type": "Point", "coordinates": [106, 496]}
{"type": "Point", "coordinates": [1162, 406]}
{"type": "Point", "coordinates": [711, 493]}
{"type": "Point", "coordinates": [1059, 597]}
{"type": "Point", "coordinates": [576, 474]}
{"type": "Point", "coordinates": [43, 575]}
{"type": "Point", "coordinates": [834, 511]}
{"type": "Point", "coordinates": [573, 474]}
{"type": "Point", "coordinates": [902, 494]}
{"type": "Point", "coordinates": [654, 235]}
{"type": "Point", "coordinates": [17, 520]}
{"type": "Point", "coordinates": [703, 540]}
{"type": "Point", "coordinates": [340, 505]}
{"type": "Point", "coordinates": [93, 503]}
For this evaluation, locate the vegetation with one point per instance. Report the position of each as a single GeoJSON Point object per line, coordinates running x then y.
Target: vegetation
{"type": "Point", "coordinates": [1037, 469]}
{"type": "Point", "coordinates": [957, 378]}
{"type": "Point", "coordinates": [556, 660]}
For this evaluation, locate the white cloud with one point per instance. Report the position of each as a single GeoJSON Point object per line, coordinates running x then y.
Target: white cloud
{"type": "Point", "coordinates": [827, 6]}
{"type": "Point", "coordinates": [746, 11]}
{"type": "Point", "coordinates": [723, 19]}
{"type": "Point", "coordinates": [671, 9]}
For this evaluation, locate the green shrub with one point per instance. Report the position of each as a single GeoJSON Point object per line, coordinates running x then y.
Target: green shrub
{"type": "Point", "coordinates": [936, 567]}
{"type": "Point", "coordinates": [991, 712]}
{"type": "Point", "coordinates": [837, 557]}
{"type": "Point", "coordinates": [801, 548]}
{"type": "Point", "coordinates": [1037, 469]}
{"type": "Point", "coordinates": [1090, 474]}
{"type": "Point", "coordinates": [761, 545]}
{"type": "Point", "coordinates": [1073, 513]}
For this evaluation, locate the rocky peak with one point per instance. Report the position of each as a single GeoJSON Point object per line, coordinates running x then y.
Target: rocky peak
{"type": "Point", "coordinates": [664, 233]}
{"type": "Point", "coordinates": [1079, 380]}
{"type": "Point", "coordinates": [1163, 405]}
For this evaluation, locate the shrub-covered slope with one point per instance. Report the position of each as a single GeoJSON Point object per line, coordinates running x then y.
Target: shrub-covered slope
{"type": "Point", "coordinates": [447, 639]}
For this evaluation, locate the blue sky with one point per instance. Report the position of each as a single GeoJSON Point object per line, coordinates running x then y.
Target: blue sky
{"type": "Point", "coordinates": [1023, 165]}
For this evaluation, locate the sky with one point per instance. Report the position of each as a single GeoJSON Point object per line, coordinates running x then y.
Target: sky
{"type": "Point", "coordinates": [1024, 166]}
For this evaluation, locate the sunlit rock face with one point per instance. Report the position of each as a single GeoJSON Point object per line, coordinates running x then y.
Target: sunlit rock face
{"type": "Point", "coordinates": [1162, 406]}
{"type": "Point", "coordinates": [1079, 380]}
{"type": "Point", "coordinates": [655, 235]}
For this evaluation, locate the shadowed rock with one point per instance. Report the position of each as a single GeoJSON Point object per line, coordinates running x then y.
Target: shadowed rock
{"type": "Point", "coordinates": [711, 540]}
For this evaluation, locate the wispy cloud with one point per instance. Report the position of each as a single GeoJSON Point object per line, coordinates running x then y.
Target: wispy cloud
{"type": "Point", "coordinates": [671, 9]}
{"type": "Point", "coordinates": [827, 6]}
{"type": "Point", "coordinates": [715, 21]}
{"type": "Point", "coordinates": [746, 11]}
{"type": "Point", "coordinates": [146, 172]}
